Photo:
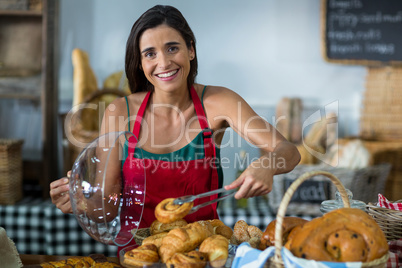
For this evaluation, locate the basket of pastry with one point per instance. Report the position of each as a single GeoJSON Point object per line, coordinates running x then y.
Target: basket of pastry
{"type": "Point", "coordinates": [171, 241]}
{"type": "Point", "coordinates": [176, 244]}
{"type": "Point", "coordinates": [345, 235]}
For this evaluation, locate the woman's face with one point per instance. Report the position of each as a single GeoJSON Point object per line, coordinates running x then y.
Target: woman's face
{"type": "Point", "coordinates": [165, 58]}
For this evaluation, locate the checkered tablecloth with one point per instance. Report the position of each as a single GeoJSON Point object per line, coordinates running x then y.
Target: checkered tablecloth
{"type": "Point", "coordinates": [38, 227]}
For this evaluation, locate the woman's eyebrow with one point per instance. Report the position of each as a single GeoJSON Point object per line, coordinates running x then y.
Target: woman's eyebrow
{"type": "Point", "coordinates": [172, 43]}
{"type": "Point", "coordinates": [147, 49]}
{"type": "Point", "coordinates": [167, 44]}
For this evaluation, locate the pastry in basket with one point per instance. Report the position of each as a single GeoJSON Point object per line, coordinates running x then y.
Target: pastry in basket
{"type": "Point", "coordinates": [221, 229]}
{"type": "Point", "coordinates": [160, 227]}
{"type": "Point", "coordinates": [192, 259]}
{"type": "Point", "coordinates": [242, 232]}
{"type": "Point", "coordinates": [166, 211]}
{"type": "Point", "coordinates": [216, 246]}
{"type": "Point", "coordinates": [184, 239]}
{"type": "Point", "coordinates": [97, 261]}
{"type": "Point", "coordinates": [342, 235]}
{"type": "Point", "coordinates": [143, 255]}
{"type": "Point", "coordinates": [155, 239]}
{"type": "Point", "coordinates": [288, 224]}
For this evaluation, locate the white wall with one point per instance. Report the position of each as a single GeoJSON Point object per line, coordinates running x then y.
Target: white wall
{"type": "Point", "coordinates": [262, 49]}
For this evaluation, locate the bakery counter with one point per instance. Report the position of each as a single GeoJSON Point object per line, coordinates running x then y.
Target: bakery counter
{"type": "Point", "coordinates": [37, 227]}
{"type": "Point", "coordinates": [31, 260]}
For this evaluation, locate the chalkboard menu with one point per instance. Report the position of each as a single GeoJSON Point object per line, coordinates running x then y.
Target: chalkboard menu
{"type": "Point", "coordinates": [365, 32]}
{"type": "Point", "coordinates": [312, 191]}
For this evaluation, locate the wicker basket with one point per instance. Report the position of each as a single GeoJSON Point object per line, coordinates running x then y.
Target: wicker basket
{"type": "Point", "coordinates": [385, 152]}
{"type": "Point", "coordinates": [277, 261]}
{"type": "Point", "coordinates": [10, 171]}
{"type": "Point", "coordinates": [389, 220]}
{"type": "Point", "coordinates": [80, 136]}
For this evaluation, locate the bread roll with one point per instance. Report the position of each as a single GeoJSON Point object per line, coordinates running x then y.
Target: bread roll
{"type": "Point", "coordinates": [268, 237]}
{"type": "Point", "coordinates": [223, 230]}
{"type": "Point", "coordinates": [342, 235]}
{"type": "Point", "coordinates": [242, 232]}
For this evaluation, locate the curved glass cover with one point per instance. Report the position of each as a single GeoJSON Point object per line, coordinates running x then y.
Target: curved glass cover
{"type": "Point", "coordinates": [107, 205]}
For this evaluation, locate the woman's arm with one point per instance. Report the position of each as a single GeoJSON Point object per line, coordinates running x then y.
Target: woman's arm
{"type": "Point", "coordinates": [279, 155]}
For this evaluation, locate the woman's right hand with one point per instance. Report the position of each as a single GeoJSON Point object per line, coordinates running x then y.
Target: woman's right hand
{"type": "Point", "coordinates": [59, 194]}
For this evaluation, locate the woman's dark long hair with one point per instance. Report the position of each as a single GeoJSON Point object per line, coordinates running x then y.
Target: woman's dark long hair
{"type": "Point", "coordinates": [152, 18]}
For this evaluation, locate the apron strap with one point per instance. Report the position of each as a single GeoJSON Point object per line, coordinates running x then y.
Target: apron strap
{"type": "Point", "coordinates": [209, 146]}
{"type": "Point", "coordinates": [137, 124]}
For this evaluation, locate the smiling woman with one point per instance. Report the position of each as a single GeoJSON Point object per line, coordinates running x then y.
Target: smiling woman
{"type": "Point", "coordinates": [179, 124]}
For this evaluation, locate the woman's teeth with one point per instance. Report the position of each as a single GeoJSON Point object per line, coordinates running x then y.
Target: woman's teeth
{"type": "Point", "coordinates": [164, 75]}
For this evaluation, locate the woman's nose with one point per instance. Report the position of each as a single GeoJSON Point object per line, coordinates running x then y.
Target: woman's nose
{"type": "Point", "coordinates": [164, 61]}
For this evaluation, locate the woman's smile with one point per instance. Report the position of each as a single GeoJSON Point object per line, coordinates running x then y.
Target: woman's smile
{"type": "Point", "coordinates": [167, 76]}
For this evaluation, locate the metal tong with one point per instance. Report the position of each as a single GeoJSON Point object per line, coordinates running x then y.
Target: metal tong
{"type": "Point", "coordinates": [191, 198]}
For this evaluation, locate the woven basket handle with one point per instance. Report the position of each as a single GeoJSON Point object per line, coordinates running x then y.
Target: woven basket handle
{"type": "Point", "coordinates": [288, 196]}
{"type": "Point", "coordinates": [96, 94]}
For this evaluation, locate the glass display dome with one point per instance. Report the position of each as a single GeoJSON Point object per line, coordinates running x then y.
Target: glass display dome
{"type": "Point", "coordinates": [107, 205]}
{"type": "Point", "coordinates": [329, 205]}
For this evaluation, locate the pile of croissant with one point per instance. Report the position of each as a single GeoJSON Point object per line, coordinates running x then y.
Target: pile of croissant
{"type": "Point", "coordinates": [182, 244]}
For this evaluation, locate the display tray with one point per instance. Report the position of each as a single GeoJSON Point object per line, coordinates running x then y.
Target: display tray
{"type": "Point", "coordinates": [232, 252]}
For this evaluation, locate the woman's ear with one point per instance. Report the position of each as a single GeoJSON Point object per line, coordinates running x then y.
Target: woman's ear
{"type": "Point", "coordinates": [191, 51]}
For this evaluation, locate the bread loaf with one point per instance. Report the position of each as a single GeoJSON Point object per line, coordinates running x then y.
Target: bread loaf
{"type": "Point", "coordinates": [342, 235]}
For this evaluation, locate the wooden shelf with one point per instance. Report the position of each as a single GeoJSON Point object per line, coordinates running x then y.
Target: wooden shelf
{"type": "Point", "coordinates": [21, 87]}
{"type": "Point", "coordinates": [25, 13]}
{"type": "Point", "coordinates": [28, 70]}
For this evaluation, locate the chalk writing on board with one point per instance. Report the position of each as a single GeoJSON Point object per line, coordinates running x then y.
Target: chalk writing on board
{"type": "Point", "coordinates": [368, 29]}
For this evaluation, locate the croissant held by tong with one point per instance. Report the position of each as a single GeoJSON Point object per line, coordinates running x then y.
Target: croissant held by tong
{"type": "Point", "coordinates": [173, 209]}
{"type": "Point", "coordinates": [167, 211]}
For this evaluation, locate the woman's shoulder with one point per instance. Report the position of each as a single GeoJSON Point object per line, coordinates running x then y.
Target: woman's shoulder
{"type": "Point", "coordinates": [216, 94]}
{"type": "Point", "coordinates": [132, 102]}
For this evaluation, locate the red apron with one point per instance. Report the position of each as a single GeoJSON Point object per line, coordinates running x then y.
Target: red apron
{"type": "Point", "coordinates": [169, 179]}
